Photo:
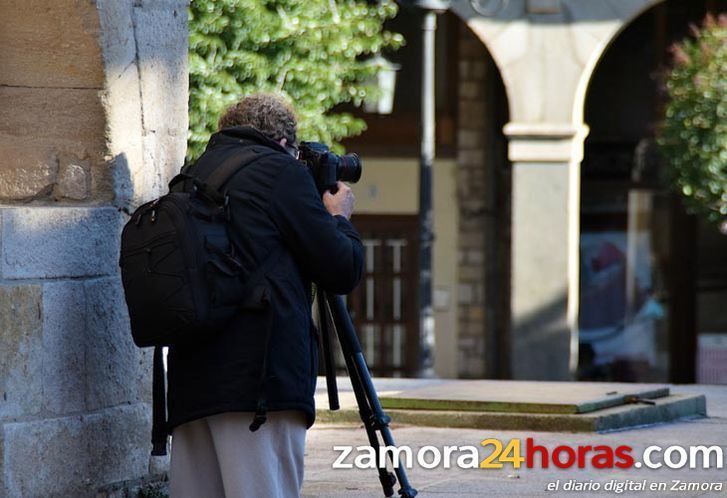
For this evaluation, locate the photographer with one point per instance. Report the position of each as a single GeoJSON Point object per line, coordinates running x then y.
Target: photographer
{"type": "Point", "coordinates": [239, 404]}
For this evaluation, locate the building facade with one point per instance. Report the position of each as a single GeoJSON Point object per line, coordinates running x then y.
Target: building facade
{"type": "Point", "coordinates": [570, 257]}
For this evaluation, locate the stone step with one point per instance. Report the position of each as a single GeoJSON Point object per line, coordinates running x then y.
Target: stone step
{"type": "Point", "coordinates": [514, 396]}
{"type": "Point", "coordinates": [540, 415]}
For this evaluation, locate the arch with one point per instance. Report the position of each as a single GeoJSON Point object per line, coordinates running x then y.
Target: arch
{"type": "Point", "coordinates": [503, 75]}
{"type": "Point", "coordinates": [475, 28]}
{"type": "Point", "coordinates": [627, 209]}
{"type": "Point", "coordinates": [579, 99]}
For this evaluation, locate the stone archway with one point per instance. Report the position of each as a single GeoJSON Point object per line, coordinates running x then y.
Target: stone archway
{"type": "Point", "coordinates": [544, 49]}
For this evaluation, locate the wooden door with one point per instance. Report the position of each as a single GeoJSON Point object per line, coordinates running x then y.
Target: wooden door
{"type": "Point", "coordinates": [384, 305]}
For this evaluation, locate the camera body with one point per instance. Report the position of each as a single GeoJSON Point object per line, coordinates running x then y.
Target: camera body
{"type": "Point", "coordinates": [328, 168]}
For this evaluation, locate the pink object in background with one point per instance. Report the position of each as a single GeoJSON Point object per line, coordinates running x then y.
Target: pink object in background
{"type": "Point", "coordinates": [712, 359]}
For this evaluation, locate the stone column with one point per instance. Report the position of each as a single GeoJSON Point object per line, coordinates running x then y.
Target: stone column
{"type": "Point", "coordinates": [545, 233]}
{"type": "Point", "coordinates": [93, 120]}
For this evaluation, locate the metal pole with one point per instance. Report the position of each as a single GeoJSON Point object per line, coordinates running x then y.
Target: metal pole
{"type": "Point", "coordinates": [426, 222]}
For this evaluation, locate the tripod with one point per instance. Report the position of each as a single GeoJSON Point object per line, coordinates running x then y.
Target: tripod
{"type": "Point", "coordinates": [333, 314]}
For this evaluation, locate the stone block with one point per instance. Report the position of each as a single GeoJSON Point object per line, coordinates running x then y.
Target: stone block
{"type": "Point", "coordinates": [465, 293]}
{"type": "Point", "coordinates": [61, 446]}
{"type": "Point", "coordinates": [470, 46]}
{"type": "Point", "coordinates": [123, 105]}
{"type": "Point", "coordinates": [472, 115]}
{"type": "Point", "coordinates": [480, 291]}
{"type": "Point", "coordinates": [470, 139]}
{"type": "Point", "coordinates": [118, 45]}
{"type": "Point", "coordinates": [464, 68]}
{"type": "Point", "coordinates": [467, 343]}
{"type": "Point", "coordinates": [471, 89]}
{"type": "Point", "coordinates": [476, 257]}
{"type": "Point", "coordinates": [479, 177]}
{"type": "Point", "coordinates": [471, 240]}
{"type": "Point", "coordinates": [472, 223]}
{"type": "Point", "coordinates": [472, 270]}
{"type": "Point", "coordinates": [73, 183]}
{"type": "Point", "coordinates": [476, 314]}
{"type": "Point", "coordinates": [119, 443]}
{"type": "Point", "coordinates": [513, 43]}
{"type": "Point", "coordinates": [470, 157]}
{"type": "Point", "coordinates": [162, 41]}
{"type": "Point", "coordinates": [73, 456]}
{"type": "Point", "coordinates": [64, 326]}
{"type": "Point", "coordinates": [72, 119]}
{"type": "Point", "coordinates": [479, 69]}
{"type": "Point", "coordinates": [167, 157]}
{"type": "Point", "coordinates": [73, 127]}
{"type": "Point", "coordinates": [473, 206]}
{"type": "Point", "coordinates": [116, 370]}
{"type": "Point", "coordinates": [26, 172]}
{"type": "Point", "coordinates": [52, 242]}
{"type": "Point", "coordinates": [21, 389]}
{"type": "Point", "coordinates": [473, 329]}
{"type": "Point", "coordinates": [50, 44]}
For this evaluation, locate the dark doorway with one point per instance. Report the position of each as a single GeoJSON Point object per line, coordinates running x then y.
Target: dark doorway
{"type": "Point", "coordinates": [639, 271]}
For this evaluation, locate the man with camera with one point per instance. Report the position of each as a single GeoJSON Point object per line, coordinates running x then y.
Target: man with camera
{"type": "Point", "coordinates": [240, 403]}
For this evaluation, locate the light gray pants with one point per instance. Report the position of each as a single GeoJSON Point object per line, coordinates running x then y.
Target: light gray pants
{"type": "Point", "coordinates": [218, 457]}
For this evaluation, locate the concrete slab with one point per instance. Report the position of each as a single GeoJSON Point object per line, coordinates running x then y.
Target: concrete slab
{"type": "Point", "coordinates": [666, 409]}
{"type": "Point", "coordinates": [521, 396]}
{"type": "Point", "coordinates": [597, 414]}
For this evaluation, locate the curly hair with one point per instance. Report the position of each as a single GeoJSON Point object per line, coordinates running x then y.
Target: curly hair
{"type": "Point", "coordinates": [269, 114]}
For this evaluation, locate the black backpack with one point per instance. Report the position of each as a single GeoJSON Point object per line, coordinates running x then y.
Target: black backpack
{"type": "Point", "coordinates": [181, 274]}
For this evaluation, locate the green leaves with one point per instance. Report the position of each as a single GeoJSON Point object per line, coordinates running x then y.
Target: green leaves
{"type": "Point", "coordinates": [693, 135]}
{"type": "Point", "coordinates": [312, 51]}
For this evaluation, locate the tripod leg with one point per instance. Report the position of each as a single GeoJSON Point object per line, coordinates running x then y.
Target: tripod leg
{"type": "Point", "coordinates": [370, 409]}
{"type": "Point", "coordinates": [324, 323]}
{"type": "Point", "coordinates": [386, 478]}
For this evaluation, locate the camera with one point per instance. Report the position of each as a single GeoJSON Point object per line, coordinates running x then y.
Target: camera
{"type": "Point", "coordinates": [328, 168]}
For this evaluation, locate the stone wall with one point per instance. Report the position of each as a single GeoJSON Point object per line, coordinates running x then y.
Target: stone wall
{"type": "Point", "coordinates": [92, 122]}
{"type": "Point", "coordinates": [483, 196]}
{"type": "Point", "coordinates": [50, 74]}
{"type": "Point", "coordinates": [473, 198]}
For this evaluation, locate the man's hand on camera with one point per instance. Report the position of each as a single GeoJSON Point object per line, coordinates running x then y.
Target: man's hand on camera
{"type": "Point", "coordinates": [340, 203]}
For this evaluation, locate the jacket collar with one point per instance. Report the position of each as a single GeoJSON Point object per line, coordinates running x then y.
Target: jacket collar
{"type": "Point", "coordinates": [243, 134]}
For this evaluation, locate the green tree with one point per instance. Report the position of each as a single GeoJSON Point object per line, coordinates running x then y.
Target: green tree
{"type": "Point", "coordinates": [693, 137]}
{"type": "Point", "coordinates": [311, 51]}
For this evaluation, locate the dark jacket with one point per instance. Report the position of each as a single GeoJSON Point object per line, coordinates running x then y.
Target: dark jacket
{"type": "Point", "coordinates": [275, 208]}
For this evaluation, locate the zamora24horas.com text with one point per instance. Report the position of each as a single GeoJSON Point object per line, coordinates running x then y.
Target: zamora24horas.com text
{"type": "Point", "coordinates": [531, 455]}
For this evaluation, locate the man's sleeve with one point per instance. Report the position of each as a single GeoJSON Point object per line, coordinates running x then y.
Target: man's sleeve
{"type": "Point", "coordinates": [327, 248]}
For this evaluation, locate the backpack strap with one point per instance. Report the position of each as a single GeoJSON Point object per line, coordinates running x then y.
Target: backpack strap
{"type": "Point", "coordinates": [159, 406]}
{"type": "Point", "coordinates": [213, 183]}
{"type": "Point", "coordinates": [241, 158]}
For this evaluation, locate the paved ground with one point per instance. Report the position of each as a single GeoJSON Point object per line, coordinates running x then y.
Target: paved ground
{"type": "Point", "coordinates": [323, 481]}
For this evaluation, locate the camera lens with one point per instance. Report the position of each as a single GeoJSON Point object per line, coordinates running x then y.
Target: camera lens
{"type": "Point", "coordinates": [349, 168]}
